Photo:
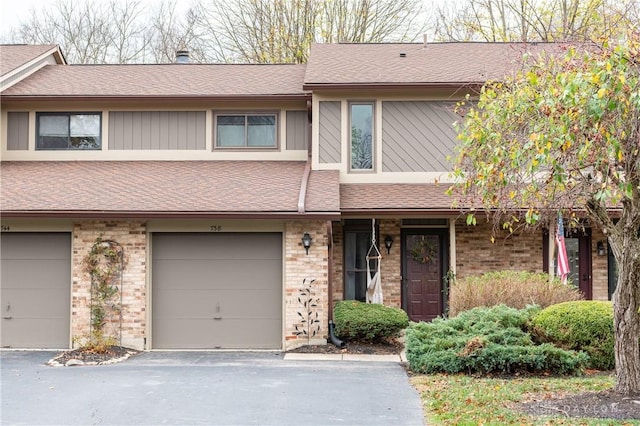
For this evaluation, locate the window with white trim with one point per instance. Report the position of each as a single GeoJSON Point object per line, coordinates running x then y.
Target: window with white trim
{"type": "Point", "coordinates": [69, 131]}
{"type": "Point", "coordinates": [361, 137]}
{"type": "Point", "coordinates": [246, 130]}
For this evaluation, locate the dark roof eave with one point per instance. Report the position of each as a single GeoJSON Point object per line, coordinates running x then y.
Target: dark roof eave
{"type": "Point", "coordinates": [101, 98]}
{"type": "Point", "coordinates": [388, 86]}
{"type": "Point", "coordinates": [399, 212]}
{"type": "Point", "coordinates": [80, 214]}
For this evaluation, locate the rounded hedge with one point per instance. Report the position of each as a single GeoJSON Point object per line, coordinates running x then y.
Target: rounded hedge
{"type": "Point", "coordinates": [585, 325]}
{"type": "Point", "coordinates": [358, 321]}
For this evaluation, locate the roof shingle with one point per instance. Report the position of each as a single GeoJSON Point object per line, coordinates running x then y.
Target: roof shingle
{"type": "Point", "coordinates": [390, 197]}
{"type": "Point", "coordinates": [164, 187]}
{"type": "Point", "coordinates": [170, 80]}
{"type": "Point", "coordinates": [433, 63]}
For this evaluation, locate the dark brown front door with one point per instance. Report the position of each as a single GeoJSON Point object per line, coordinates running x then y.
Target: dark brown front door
{"type": "Point", "coordinates": [423, 271]}
{"type": "Point", "coordinates": [578, 244]}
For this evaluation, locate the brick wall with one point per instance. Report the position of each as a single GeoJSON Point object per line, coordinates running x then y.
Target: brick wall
{"type": "Point", "coordinates": [475, 254]}
{"type": "Point", "coordinates": [391, 265]}
{"type": "Point", "coordinates": [300, 266]}
{"type": "Point", "coordinates": [132, 237]}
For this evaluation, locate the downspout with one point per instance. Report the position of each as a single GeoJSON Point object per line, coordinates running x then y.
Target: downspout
{"type": "Point", "coordinates": [307, 168]}
{"type": "Point", "coordinates": [332, 337]}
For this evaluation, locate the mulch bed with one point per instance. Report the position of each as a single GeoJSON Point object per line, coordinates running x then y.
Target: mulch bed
{"type": "Point", "coordinates": [360, 348]}
{"type": "Point", "coordinates": [76, 357]}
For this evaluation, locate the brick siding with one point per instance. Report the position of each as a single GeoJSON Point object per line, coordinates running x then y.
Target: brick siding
{"type": "Point", "coordinates": [132, 237]}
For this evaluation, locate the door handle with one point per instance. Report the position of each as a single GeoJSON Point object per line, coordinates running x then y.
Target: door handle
{"type": "Point", "coordinates": [585, 277]}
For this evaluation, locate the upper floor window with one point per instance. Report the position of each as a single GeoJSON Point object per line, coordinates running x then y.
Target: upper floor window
{"type": "Point", "coordinates": [246, 131]}
{"type": "Point", "coordinates": [361, 140]}
{"type": "Point", "coordinates": [69, 131]}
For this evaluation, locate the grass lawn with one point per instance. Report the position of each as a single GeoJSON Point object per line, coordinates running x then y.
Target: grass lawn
{"type": "Point", "coordinates": [465, 400]}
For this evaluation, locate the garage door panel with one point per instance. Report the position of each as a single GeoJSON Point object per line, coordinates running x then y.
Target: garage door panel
{"type": "Point", "coordinates": [210, 303]}
{"type": "Point", "coordinates": [22, 273]}
{"type": "Point", "coordinates": [217, 290]}
{"type": "Point", "coordinates": [226, 246]}
{"type": "Point", "coordinates": [212, 334]}
{"type": "Point", "coordinates": [23, 245]}
{"type": "Point", "coordinates": [42, 332]}
{"type": "Point", "coordinates": [222, 274]}
{"type": "Point", "coordinates": [35, 303]}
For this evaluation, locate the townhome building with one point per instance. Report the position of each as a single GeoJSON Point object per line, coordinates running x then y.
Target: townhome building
{"type": "Point", "coordinates": [230, 187]}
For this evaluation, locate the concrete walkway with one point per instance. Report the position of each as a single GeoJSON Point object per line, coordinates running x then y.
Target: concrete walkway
{"type": "Point", "coordinates": [212, 388]}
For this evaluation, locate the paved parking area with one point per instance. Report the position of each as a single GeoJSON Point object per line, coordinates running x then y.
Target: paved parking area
{"type": "Point", "coordinates": [213, 388]}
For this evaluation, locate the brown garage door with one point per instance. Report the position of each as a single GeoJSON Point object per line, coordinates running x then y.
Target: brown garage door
{"type": "Point", "coordinates": [34, 289]}
{"type": "Point", "coordinates": [220, 290]}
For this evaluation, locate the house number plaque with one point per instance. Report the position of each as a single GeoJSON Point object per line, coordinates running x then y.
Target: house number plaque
{"type": "Point", "coordinates": [215, 228]}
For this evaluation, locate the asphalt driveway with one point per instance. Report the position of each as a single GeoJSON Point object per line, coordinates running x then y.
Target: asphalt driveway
{"type": "Point", "coordinates": [214, 388]}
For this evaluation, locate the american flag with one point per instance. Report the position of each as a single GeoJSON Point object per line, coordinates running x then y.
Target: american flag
{"type": "Point", "coordinates": [563, 261]}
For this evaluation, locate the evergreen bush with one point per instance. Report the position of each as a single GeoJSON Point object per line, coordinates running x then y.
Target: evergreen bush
{"type": "Point", "coordinates": [485, 340]}
{"type": "Point", "coordinates": [582, 326]}
{"type": "Point", "coordinates": [358, 321]}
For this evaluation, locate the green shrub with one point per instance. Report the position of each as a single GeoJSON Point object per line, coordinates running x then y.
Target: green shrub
{"type": "Point", "coordinates": [582, 326]}
{"type": "Point", "coordinates": [484, 340]}
{"type": "Point", "coordinates": [516, 289]}
{"type": "Point", "coordinates": [357, 321]}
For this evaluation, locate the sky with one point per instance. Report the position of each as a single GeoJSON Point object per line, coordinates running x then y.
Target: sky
{"type": "Point", "coordinates": [13, 11]}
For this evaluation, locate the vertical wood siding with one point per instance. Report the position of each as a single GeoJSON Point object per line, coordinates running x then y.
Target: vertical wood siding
{"type": "Point", "coordinates": [17, 131]}
{"type": "Point", "coordinates": [157, 130]}
{"type": "Point", "coordinates": [329, 126]}
{"type": "Point", "coordinates": [417, 136]}
{"type": "Point", "coordinates": [297, 134]}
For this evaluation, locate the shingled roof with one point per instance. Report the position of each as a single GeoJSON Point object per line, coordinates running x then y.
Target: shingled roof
{"type": "Point", "coordinates": [13, 56]}
{"type": "Point", "coordinates": [168, 80]}
{"type": "Point", "coordinates": [413, 64]}
{"type": "Point", "coordinates": [395, 197]}
{"type": "Point", "coordinates": [165, 188]}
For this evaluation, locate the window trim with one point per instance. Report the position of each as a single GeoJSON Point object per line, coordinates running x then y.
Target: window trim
{"type": "Point", "coordinates": [67, 114]}
{"type": "Point", "coordinates": [350, 104]}
{"type": "Point", "coordinates": [273, 113]}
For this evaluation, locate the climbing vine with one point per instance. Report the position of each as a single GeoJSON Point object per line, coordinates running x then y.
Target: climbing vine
{"type": "Point", "coordinates": [104, 264]}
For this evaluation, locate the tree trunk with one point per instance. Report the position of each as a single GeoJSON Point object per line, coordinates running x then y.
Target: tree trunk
{"type": "Point", "coordinates": [626, 317]}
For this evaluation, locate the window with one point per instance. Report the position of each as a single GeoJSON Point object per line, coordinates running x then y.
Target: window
{"type": "Point", "coordinates": [361, 116]}
{"type": "Point", "coordinates": [357, 242]}
{"type": "Point", "coordinates": [246, 131]}
{"type": "Point", "coordinates": [69, 131]}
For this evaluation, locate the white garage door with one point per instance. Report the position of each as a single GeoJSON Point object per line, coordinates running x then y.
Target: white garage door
{"type": "Point", "coordinates": [221, 290]}
{"type": "Point", "coordinates": [34, 289]}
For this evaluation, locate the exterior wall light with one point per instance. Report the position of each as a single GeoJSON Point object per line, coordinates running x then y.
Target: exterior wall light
{"type": "Point", "coordinates": [306, 241]}
{"type": "Point", "coordinates": [388, 242]}
{"type": "Point", "coordinates": [600, 246]}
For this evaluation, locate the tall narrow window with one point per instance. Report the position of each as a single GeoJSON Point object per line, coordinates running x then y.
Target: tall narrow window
{"type": "Point", "coordinates": [68, 131]}
{"type": "Point", "coordinates": [361, 117]}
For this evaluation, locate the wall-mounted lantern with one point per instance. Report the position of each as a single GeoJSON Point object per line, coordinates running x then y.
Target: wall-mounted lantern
{"type": "Point", "coordinates": [388, 242]}
{"type": "Point", "coordinates": [306, 241]}
{"type": "Point", "coordinates": [600, 248]}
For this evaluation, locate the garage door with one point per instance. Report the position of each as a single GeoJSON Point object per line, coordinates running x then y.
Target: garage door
{"type": "Point", "coordinates": [220, 290]}
{"type": "Point", "coordinates": [34, 289]}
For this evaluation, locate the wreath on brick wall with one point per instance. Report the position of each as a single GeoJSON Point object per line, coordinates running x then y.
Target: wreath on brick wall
{"type": "Point", "coordinates": [423, 250]}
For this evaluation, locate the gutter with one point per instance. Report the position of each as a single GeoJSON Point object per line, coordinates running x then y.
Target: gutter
{"type": "Point", "coordinates": [103, 214]}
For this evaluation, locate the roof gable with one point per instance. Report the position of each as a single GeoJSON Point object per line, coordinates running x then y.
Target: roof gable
{"type": "Point", "coordinates": [18, 61]}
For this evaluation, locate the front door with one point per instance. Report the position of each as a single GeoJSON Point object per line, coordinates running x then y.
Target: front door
{"type": "Point", "coordinates": [424, 258]}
